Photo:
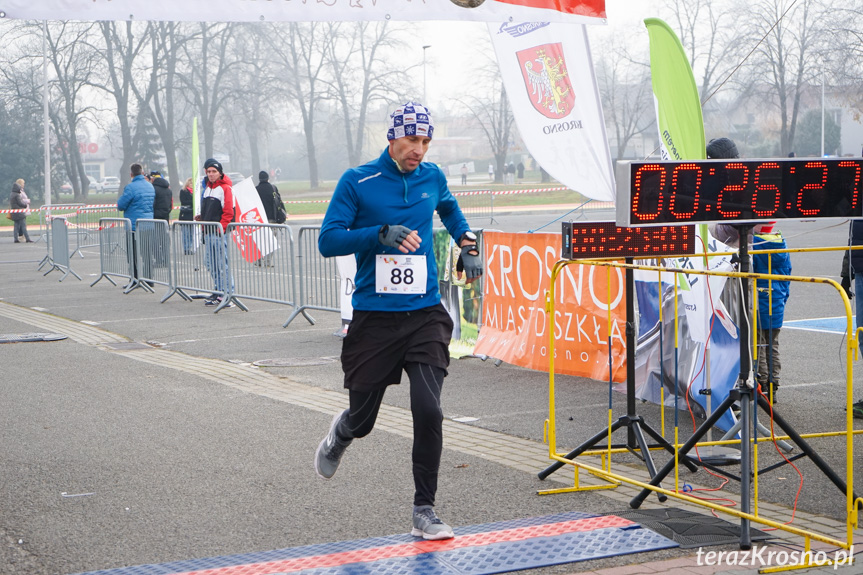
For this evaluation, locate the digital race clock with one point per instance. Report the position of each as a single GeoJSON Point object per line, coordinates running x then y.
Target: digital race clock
{"type": "Point", "coordinates": [662, 193]}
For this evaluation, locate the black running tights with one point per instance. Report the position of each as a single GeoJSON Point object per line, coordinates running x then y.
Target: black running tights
{"type": "Point", "coordinates": [426, 382]}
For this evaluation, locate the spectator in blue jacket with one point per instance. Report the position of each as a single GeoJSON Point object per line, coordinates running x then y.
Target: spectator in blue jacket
{"type": "Point", "coordinates": [772, 296]}
{"type": "Point", "coordinates": [136, 202]}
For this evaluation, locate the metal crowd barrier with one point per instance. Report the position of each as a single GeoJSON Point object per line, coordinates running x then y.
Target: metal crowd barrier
{"type": "Point", "coordinates": [261, 260]}
{"type": "Point", "coordinates": [47, 235]}
{"type": "Point", "coordinates": [87, 224]}
{"type": "Point", "coordinates": [45, 213]}
{"type": "Point", "coordinates": [190, 271]}
{"type": "Point", "coordinates": [318, 277]}
{"type": "Point", "coordinates": [60, 252]}
{"type": "Point", "coordinates": [477, 205]}
{"type": "Point", "coordinates": [115, 250]}
{"type": "Point", "coordinates": [153, 252]}
{"type": "Point", "coordinates": [748, 509]}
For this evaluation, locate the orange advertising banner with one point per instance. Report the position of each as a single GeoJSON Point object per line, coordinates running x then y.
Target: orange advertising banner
{"type": "Point", "coordinates": [515, 326]}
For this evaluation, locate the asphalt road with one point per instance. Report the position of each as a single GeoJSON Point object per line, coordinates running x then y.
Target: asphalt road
{"type": "Point", "coordinates": [109, 461]}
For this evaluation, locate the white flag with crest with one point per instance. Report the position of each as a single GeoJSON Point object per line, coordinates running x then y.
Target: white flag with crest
{"type": "Point", "coordinates": [548, 75]}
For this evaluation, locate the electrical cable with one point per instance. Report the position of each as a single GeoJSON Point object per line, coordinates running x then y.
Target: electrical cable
{"type": "Point", "coordinates": [576, 208]}
{"type": "Point", "coordinates": [757, 44]}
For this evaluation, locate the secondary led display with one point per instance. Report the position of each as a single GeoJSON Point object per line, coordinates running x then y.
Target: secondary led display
{"type": "Point", "coordinates": [606, 239]}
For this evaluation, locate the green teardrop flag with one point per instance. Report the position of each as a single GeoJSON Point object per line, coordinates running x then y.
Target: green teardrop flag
{"type": "Point", "coordinates": [675, 95]}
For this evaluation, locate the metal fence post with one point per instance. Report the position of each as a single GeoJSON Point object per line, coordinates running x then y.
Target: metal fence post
{"type": "Point", "coordinates": [60, 256]}
{"type": "Point", "coordinates": [114, 256]}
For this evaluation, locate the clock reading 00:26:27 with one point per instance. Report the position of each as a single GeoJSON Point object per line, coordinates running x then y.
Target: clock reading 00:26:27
{"type": "Point", "coordinates": [658, 193]}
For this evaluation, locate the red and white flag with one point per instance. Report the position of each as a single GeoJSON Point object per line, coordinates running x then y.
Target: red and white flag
{"type": "Point", "coordinates": [254, 242]}
{"type": "Point", "coordinates": [548, 75]}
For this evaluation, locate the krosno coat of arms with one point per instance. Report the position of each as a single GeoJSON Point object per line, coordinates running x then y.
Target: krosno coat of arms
{"type": "Point", "coordinates": [547, 80]}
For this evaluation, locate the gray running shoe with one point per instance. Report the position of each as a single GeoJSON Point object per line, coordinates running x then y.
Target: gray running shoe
{"type": "Point", "coordinates": [427, 525]}
{"type": "Point", "coordinates": [330, 450]}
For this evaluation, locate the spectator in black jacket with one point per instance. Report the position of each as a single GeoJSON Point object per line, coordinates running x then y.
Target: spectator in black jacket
{"type": "Point", "coordinates": [267, 193]}
{"type": "Point", "coordinates": [164, 201]}
{"type": "Point", "coordinates": [272, 201]}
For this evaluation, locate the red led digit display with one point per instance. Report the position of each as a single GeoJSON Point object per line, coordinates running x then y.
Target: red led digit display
{"type": "Point", "coordinates": [606, 239]}
{"type": "Point", "coordinates": [659, 193]}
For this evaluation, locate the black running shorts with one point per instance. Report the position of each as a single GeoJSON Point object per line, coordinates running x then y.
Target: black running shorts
{"type": "Point", "coordinates": [379, 343]}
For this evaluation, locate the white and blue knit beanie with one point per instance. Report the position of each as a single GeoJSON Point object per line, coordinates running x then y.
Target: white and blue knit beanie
{"type": "Point", "coordinates": [410, 120]}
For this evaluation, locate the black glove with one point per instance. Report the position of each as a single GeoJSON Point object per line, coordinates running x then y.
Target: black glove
{"type": "Point", "coordinates": [393, 236]}
{"type": "Point", "coordinates": [846, 285]}
{"type": "Point", "coordinates": [470, 262]}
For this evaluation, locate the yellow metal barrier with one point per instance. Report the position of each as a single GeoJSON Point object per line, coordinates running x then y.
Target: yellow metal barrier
{"type": "Point", "coordinates": [616, 478]}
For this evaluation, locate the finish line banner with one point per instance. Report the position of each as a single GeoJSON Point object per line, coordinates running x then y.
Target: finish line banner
{"type": "Point", "coordinates": [572, 11]}
{"type": "Point", "coordinates": [515, 326]}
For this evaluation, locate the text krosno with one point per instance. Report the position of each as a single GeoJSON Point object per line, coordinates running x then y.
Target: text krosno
{"type": "Point", "coordinates": [529, 266]}
{"type": "Point", "coordinates": [761, 557]}
{"type": "Point", "coordinates": [562, 127]}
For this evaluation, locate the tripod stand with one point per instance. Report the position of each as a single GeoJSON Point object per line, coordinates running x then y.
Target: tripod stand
{"type": "Point", "coordinates": [743, 392]}
{"type": "Point", "coordinates": [636, 426]}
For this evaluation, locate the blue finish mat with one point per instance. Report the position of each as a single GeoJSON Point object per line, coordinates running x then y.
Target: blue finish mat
{"type": "Point", "coordinates": [485, 549]}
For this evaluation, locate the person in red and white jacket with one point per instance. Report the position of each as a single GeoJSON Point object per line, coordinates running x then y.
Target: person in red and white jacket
{"type": "Point", "coordinates": [217, 205]}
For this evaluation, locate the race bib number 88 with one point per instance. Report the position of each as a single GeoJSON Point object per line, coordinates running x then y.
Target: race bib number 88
{"type": "Point", "coordinates": [400, 274]}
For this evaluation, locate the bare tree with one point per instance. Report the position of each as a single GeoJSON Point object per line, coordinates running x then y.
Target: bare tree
{"type": "Point", "coordinates": [846, 37]}
{"type": "Point", "coordinates": [791, 53]}
{"type": "Point", "coordinates": [711, 37]}
{"type": "Point", "coordinates": [302, 50]}
{"type": "Point", "coordinates": [627, 97]}
{"type": "Point", "coordinates": [256, 88]}
{"type": "Point", "coordinates": [72, 59]}
{"type": "Point", "coordinates": [362, 75]}
{"type": "Point", "coordinates": [167, 40]}
{"type": "Point", "coordinates": [494, 115]}
{"type": "Point", "coordinates": [209, 61]}
{"type": "Point", "coordinates": [121, 50]}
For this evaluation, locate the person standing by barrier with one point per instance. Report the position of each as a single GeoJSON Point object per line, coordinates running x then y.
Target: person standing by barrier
{"type": "Point", "coordinates": [217, 205]}
{"type": "Point", "coordinates": [852, 269]}
{"type": "Point", "coordinates": [269, 197]}
{"type": "Point", "coordinates": [464, 174]}
{"type": "Point", "coordinates": [382, 212]}
{"type": "Point", "coordinates": [163, 205]}
{"type": "Point", "coordinates": [772, 296]}
{"type": "Point", "coordinates": [187, 214]}
{"type": "Point", "coordinates": [273, 207]}
{"type": "Point", "coordinates": [136, 202]}
{"type": "Point", "coordinates": [18, 200]}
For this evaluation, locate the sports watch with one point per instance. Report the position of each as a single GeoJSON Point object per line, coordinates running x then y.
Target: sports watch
{"type": "Point", "coordinates": [469, 236]}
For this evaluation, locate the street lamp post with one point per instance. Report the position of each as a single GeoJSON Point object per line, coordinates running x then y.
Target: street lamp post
{"type": "Point", "coordinates": [425, 99]}
{"type": "Point", "coordinates": [822, 113]}
{"type": "Point", "coordinates": [824, 69]}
